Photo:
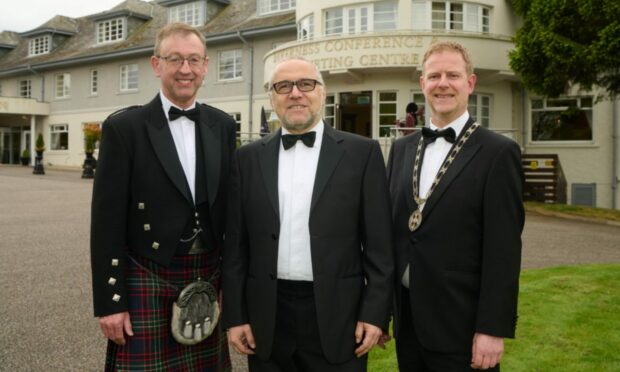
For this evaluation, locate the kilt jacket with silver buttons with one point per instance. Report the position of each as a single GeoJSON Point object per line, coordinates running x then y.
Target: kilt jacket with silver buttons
{"type": "Point", "coordinates": [141, 202]}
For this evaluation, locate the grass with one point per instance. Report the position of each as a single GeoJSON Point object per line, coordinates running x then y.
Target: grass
{"type": "Point", "coordinates": [575, 210]}
{"type": "Point", "coordinates": [569, 320]}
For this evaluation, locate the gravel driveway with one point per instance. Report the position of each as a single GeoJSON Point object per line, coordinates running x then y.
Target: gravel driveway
{"type": "Point", "coordinates": [45, 293]}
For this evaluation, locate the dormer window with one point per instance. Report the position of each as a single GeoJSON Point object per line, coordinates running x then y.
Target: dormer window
{"type": "Point", "coordinates": [194, 13]}
{"type": "Point", "coordinates": [274, 6]}
{"type": "Point", "coordinates": [111, 30]}
{"type": "Point", "coordinates": [39, 45]}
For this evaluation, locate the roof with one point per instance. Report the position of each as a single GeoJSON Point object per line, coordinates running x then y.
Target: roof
{"type": "Point", "coordinates": [236, 16]}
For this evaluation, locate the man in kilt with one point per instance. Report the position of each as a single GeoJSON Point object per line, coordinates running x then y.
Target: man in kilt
{"type": "Point", "coordinates": [157, 210]}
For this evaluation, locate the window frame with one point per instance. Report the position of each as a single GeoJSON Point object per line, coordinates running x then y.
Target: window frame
{"type": "Point", "coordinates": [62, 86]}
{"type": "Point", "coordinates": [24, 88]}
{"type": "Point", "coordinates": [357, 19]}
{"type": "Point", "coordinates": [583, 103]}
{"type": "Point", "coordinates": [237, 65]}
{"type": "Point", "coordinates": [193, 13]}
{"type": "Point", "coordinates": [94, 82]}
{"type": "Point", "coordinates": [474, 17]}
{"type": "Point", "coordinates": [39, 45]}
{"type": "Point", "coordinates": [129, 76]}
{"type": "Point", "coordinates": [269, 7]}
{"type": "Point", "coordinates": [477, 108]}
{"type": "Point", "coordinates": [306, 24]}
{"type": "Point", "coordinates": [61, 131]}
{"type": "Point", "coordinates": [111, 36]}
{"type": "Point", "coordinates": [385, 130]}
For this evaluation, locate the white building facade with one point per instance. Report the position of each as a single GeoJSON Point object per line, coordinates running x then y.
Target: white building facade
{"type": "Point", "coordinates": [70, 72]}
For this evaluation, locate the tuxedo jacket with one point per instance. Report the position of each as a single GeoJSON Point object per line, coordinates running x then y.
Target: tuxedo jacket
{"type": "Point", "coordinates": [465, 256]}
{"type": "Point", "coordinates": [142, 204]}
{"type": "Point", "coordinates": [351, 249]}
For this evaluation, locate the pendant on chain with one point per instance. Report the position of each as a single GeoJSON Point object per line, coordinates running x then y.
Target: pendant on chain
{"type": "Point", "coordinates": [415, 220]}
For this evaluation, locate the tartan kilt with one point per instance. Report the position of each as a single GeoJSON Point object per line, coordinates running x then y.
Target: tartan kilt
{"type": "Point", "coordinates": [152, 347]}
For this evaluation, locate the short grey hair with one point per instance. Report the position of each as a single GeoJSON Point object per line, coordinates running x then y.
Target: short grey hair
{"type": "Point", "coordinates": [318, 77]}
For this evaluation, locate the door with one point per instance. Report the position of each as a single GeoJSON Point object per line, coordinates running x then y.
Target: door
{"type": "Point", "coordinates": [355, 113]}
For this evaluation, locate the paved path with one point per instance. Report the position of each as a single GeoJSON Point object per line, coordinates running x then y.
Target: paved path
{"type": "Point", "coordinates": [45, 293]}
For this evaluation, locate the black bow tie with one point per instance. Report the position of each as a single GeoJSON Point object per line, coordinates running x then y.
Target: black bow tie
{"type": "Point", "coordinates": [193, 114]}
{"type": "Point", "coordinates": [289, 140]}
{"type": "Point", "coordinates": [431, 135]}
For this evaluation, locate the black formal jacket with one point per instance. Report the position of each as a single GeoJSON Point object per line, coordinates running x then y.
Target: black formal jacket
{"type": "Point", "coordinates": [351, 246]}
{"type": "Point", "coordinates": [465, 257]}
{"type": "Point", "coordinates": [141, 200]}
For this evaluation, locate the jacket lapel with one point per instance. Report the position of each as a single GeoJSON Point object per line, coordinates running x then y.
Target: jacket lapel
{"type": "Point", "coordinates": [163, 146]}
{"type": "Point", "coordinates": [268, 159]}
{"type": "Point", "coordinates": [407, 180]}
{"type": "Point", "coordinates": [212, 152]}
{"type": "Point", "coordinates": [330, 155]}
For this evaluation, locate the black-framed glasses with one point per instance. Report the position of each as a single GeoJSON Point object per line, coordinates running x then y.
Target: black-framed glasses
{"type": "Point", "coordinates": [177, 60]}
{"type": "Point", "coordinates": [286, 86]}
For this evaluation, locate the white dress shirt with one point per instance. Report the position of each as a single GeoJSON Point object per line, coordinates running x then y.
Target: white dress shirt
{"type": "Point", "coordinates": [184, 135]}
{"type": "Point", "coordinates": [296, 173]}
{"type": "Point", "coordinates": [434, 155]}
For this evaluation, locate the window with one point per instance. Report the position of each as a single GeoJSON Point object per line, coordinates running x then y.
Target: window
{"type": "Point", "coordinates": [25, 88]}
{"type": "Point", "coordinates": [562, 119]}
{"type": "Point", "coordinates": [193, 14]}
{"type": "Point", "coordinates": [380, 16]}
{"type": "Point", "coordinates": [305, 28]}
{"type": "Point", "coordinates": [384, 15]}
{"type": "Point", "coordinates": [94, 82]}
{"type": "Point", "coordinates": [230, 65]}
{"type": "Point", "coordinates": [274, 6]}
{"type": "Point", "coordinates": [63, 85]}
{"type": "Point", "coordinates": [479, 108]}
{"type": "Point", "coordinates": [111, 30]}
{"type": "Point", "coordinates": [450, 15]}
{"type": "Point", "coordinates": [237, 118]}
{"type": "Point", "coordinates": [129, 77]}
{"type": "Point", "coordinates": [387, 112]}
{"type": "Point", "coordinates": [330, 110]}
{"type": "Point", "coordinates": [39, 45]}
{"type": "Point", "coordinates": [59, 137]}
{"type": "Point", "coordinates": [420, 100]}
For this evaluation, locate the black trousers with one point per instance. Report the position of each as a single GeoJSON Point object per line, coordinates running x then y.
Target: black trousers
{"type": "Point", "coordinates": [297, 344]}
{"type": "Point", "coordinates": [413, 357]}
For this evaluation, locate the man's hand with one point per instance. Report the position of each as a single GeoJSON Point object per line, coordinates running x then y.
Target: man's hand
{"type": "Point", "coordinates": [486, 351]}
{"type": "Point", "coordinates": [115, 326]}
{"type": "Point", "coordinates": [242, 339]}
{"type": "Point", "coordinates": [383, 340]}
{"type": "Point", "coordinates": [368, 335]}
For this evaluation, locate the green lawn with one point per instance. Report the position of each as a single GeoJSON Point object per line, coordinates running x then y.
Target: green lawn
{"type": "Point", "coordinates": [569, 320]}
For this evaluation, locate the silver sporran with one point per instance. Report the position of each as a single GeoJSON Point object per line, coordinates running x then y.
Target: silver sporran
{"type": "Point", "coordinates": [195, 313]}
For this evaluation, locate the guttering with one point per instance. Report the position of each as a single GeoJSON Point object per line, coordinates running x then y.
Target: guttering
{"type": "Point", "coordinates": [230, 36]}
{"type": "Point", "coordinates": [251, 85]}
{"type": "Point", "coordinates": [614, 150]}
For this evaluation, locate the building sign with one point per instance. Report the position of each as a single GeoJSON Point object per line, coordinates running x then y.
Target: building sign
{"type": "Point", "coordinates": [394, 50]}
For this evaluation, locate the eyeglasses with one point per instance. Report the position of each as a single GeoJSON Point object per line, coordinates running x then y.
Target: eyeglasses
{"type": "Point", "coordinates": [177, 61]}
{"type": "Point", "coordinates": [286, 86]}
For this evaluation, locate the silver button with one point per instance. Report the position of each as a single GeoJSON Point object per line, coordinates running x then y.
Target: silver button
{"type": "Point", "coordinates": [195, 231]}
{"type": "Point", "coordinates": [196, 214]}
{"type": "Point", "coordinates": [115, 262]}
{"type": "Point", "coordinates": [197, 223]}
{"type": "Point", "coordinates": [141, 205]}
{"type": "Point", "coordinates": [147, 227]}
{"type": "Point", "coordinates": [112, 281]}
{"type": "Point", "coordinates": [116, 298]}
{"type": "Point", "coordinates": [155, 245]}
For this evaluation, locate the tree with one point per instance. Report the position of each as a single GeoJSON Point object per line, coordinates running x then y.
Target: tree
{"type": "Point", "coordinates": [568, 42]}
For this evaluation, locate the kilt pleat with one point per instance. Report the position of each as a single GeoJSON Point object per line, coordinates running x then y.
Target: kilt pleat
{"type": "Point", "coordinates": [152, 347]}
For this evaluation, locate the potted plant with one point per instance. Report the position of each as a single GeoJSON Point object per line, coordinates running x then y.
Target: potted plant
{"type": "Point", "coordinates": [25, 158]}
{"type": "Point", "coordinates": [39, 146]}
{"type": "Point", "coordinates": [92, 134]}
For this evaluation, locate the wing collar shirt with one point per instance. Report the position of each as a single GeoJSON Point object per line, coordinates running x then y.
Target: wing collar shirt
{"type": "Point", "coordinates": [296, 172]}
{"type": "Point", "coordinates": [184, 135]}
{"type": "Point", "coordinates": [434, 155]}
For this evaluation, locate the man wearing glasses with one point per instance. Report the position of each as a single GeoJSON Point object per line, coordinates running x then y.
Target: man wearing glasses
{"type": "Point", "coordinates": [157, 219]}
{"type": "Point", "coordinates": [308, 264]}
